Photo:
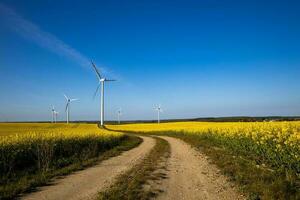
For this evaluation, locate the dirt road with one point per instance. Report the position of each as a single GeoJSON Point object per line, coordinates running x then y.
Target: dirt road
{"type": "Point", "coordinates": [87, 183]}
{"type": "Point", "coordinates": [191, 176]}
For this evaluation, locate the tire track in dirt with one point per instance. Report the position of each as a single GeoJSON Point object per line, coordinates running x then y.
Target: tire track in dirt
{"type": "Point", "coordinates": [87, 183]}
{"type": "Point", "coordinates": [191, 176]}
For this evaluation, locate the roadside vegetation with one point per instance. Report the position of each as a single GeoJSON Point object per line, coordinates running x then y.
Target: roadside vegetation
{"type": "Point", "coordinates": [141, 182]}
{"type": "Point", "coordinates": [263, 158]}
{"type": "Point", "coordinates": [32, 154]}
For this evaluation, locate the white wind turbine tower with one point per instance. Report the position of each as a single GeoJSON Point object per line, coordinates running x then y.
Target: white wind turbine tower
{"type": "Point", "coordinates": [55, 116]}
{"type": "Point", "coordinates": [68, 107]}
{"type": "Point", "coordinates": [52, 111]}
{"type": "Point", "coordinates": [102, 80]}
{"type": "Point", "coordinates": [119, 112]}
{"type": "Point", "coordinates": [159, 110]}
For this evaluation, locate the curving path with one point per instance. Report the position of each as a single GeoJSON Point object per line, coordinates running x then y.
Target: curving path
{"type": "Point", "coordinates": [191, 176]}
{"type": "Point", "coordinates": [87, 183]}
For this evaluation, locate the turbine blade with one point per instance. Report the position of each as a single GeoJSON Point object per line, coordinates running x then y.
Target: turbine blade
{"type": "Point", "coordinates": [110, 80]}
{"type": "Point", "coordinates": [66, 97]}
{"type": "Point", "coordinates": [67, 107]}
{"type": "Point", "coordinates": [74, 99]}
{"type": "Point", "coordinates": [96, 70]}
{"type": "Point", "coordinates": [96, 91]}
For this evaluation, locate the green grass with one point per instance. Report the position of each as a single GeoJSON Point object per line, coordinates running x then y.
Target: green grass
{"type": "Point", "coordinates": [257, 180]}
{"type": "Point", "coordinates": [131, 185]}
{"type": "Point", "coordinates": [29, 180]}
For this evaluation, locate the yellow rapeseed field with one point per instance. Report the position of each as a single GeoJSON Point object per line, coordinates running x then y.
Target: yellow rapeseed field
{"type": "Point", "coordinates": [282, 133]}
{"type": "Point", "coordinates": [18, 132]}
{"type": "Point", "coordinates": [277, 143]}
{"type": "Point", "coordinates": [44, 146]}
{"type": "Point", "coordinates": [18, 129]}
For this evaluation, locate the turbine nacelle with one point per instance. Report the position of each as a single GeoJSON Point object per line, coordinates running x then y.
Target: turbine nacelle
{"type": "Point", "coordinates": [105, 80]}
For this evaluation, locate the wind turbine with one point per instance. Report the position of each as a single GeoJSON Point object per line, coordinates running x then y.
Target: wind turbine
{"type": "Point", "coordinates": [119, 112]}
{"type": "Point", "coordinates": [55, 116]}
{"type": "Point", "coordinates": [159, 110]}
{"type": "Point", "coordinates": [68, 106]}
{"type": "Point", "coordinates": [102, 80]}
{"type": "Point", "coordinates": [52, 111]}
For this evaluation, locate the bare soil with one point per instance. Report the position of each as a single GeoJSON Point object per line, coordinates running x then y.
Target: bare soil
{"type": "Point", "coordinates": [87, 183]}
{"type": "Point", "coordinates": [191, 176]}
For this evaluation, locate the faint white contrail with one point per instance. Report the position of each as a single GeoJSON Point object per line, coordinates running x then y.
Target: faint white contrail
{"type": "Point", "coordinates": [44, 39]}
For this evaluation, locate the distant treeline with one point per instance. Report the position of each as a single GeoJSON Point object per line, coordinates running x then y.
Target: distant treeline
{"type": "Point", "coordinates": [206, 119]}
{"type": "Point", "coordinates": [217, 119]}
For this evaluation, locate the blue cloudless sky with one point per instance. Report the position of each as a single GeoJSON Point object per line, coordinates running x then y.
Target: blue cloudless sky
{"type": "Point", "coordinates": [196, 58]}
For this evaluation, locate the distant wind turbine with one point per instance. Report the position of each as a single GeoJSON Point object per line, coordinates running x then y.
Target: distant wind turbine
{"type": "Point", "coordinates": [119, 112]}
{"type": "Point", "coordinates": [102, 80]}
{"type": "Point", "coordinates": [55, 116]}
{"type": "Point", "coordinates": [52, 111]}
{"type": "Point", "coordinates": [159, 110]}
{"type": "Point", "coordinates": [68, 107]}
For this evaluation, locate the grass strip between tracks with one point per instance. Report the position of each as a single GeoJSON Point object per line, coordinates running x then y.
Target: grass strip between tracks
{"type": "Point", "coordinates": [30, 182]}
{"type": "Point", "coordinates": [136, 183]}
